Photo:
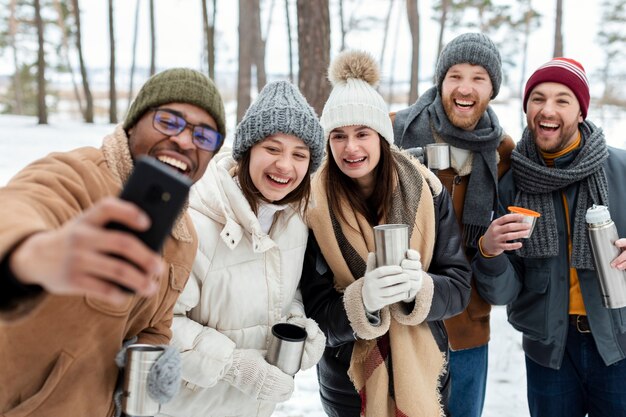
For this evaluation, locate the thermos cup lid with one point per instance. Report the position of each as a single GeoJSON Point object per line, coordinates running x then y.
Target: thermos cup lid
{"type": "Point", "coordinates": [598, 214]}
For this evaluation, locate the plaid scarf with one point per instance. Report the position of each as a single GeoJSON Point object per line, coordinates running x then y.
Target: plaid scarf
{"type": "Point", "coordinates": [536, 182]}
{"type": "Point", "coordinates": [397, 374]}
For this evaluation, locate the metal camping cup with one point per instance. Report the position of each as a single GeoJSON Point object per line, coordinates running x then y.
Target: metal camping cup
{"type": "Point", "coordinates": [438, 156]}
{"type": "Point", "coordinates": [602, 235]}
{"type": "Point", "coordinates": [136, 401]}
{"type": "Point", "coordinates": [530, 216]}
{"type": "Point", "coordinates": [286, 347]}
{"type": "Point", "coordinates": [391, 242]}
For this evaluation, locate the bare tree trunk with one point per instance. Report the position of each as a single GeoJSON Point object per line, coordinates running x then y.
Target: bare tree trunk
{"type": "Point", "coordinates": [527, 22]}
{"type": "Point", "coordinates": [66, 56]}
{"type": "Point", "coordinates": [314, 51]}
{"type": "Point", "coordinates": [343, 24]}
{"type": "Point", "coordinates": [112, 89]}
{"type": "Point", "coordinates": [558, 33]}
{"type": "Point", "coordinates": [259, 48]}
{"type": "Point", "coordinates": [442, 24]}
{"type": "Point", "coordinates": [212, 42]}
{"type": "Point", "coordinates": [83, 69]}
{"type": "Point", "coordinates": [134, 58]}
{"type": "Point", "coordinates": [394, 56]}
{"type": "Point", "coordinates": [209, 35]}
{"type": "Point", "coordinates": [414, 25]}
{"type": "Point", "coordinates": [42, 111]}
{"type": "Point", "coordinates": [246, 46]}
{"type": "Point", "coordinates": [152, 40]}
{"type": "Point", "coordinates": [289, 41]}
{"type": "Point", "coordinates": [385, 35]}
{"type": "Point", "coordinates": [17, 81]}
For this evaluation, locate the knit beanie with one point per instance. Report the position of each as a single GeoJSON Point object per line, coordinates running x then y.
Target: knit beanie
{"type": "Point", "coordinates": [178, 85]}
{"type": "Point", "coordinates": [353, 100]}
{"type": "Point", "coordinates": [475, 49]}
{"type": "Point", "coordinates": [564, 71]}
{"type": "Point", "coordinates": [280, 107]}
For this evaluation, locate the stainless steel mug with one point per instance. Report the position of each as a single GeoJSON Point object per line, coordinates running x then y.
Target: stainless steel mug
{"type": "Point", "coordinates": [438, 156]}
{"type": "Point", "coordinates": [391, 242]}
{"type": "Point", "coordinates": [286, 347]}
{"type": "Point", "coordinates": [139, 359]}
{"type": "Point", "coordinates": [602, 235]}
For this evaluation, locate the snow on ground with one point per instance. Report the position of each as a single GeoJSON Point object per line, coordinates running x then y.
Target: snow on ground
{"type": "Point", "coordinates": [24, 141]}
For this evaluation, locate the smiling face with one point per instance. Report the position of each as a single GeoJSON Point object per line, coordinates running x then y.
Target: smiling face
{"type": "Point", "coordinates": [278, 164]}
{"type": "Point", "coordinates": [356, 151]}
{"type": "Point", "coordinates": [177, 151]}
{"type": "Point", "coordinates": [465, 93]}
{"type": "Point", "coordinates": [553, 115]}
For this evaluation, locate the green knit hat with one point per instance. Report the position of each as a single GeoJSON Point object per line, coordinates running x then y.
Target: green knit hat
{"type": "Point", "coordinates": [178, 85]}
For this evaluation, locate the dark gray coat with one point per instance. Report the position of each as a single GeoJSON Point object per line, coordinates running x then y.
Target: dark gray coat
{"type": "Point", "coordinates": [536, 291]}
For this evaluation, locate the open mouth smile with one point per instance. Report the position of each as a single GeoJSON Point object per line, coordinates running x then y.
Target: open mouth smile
{"type": "Point", "coordinates": [179, 165]}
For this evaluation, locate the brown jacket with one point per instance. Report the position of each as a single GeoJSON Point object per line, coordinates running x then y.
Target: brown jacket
{"type": "Point", "coordinates": [57, 355]}
{"type": "Point", "coordinates": [471, 328]}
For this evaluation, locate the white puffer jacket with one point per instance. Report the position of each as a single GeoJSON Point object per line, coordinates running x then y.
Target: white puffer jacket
{"type": "Point", "coordinates": [243, 282]}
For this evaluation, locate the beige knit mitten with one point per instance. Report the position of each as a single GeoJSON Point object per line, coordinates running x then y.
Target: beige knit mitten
{"type": "Point", "coordinates": [251, 374]}
{"type": "Point", "coordinates": [314, 344]}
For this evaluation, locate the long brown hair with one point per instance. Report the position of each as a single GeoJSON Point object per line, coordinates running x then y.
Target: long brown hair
{"type": "Point", "coordinates": [298, 198]}
{"type": "Point", "coordinates": [339, 185]}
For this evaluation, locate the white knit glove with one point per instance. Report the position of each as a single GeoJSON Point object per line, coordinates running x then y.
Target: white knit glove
{"type": "Point", "coordinates": [412, 266]}
{"type": "Point", "coordinates": [251, 374]}
{"type": "Point", "coordinates": [384, 285]}
{"type": "Point", "coordinates": [314, 344]}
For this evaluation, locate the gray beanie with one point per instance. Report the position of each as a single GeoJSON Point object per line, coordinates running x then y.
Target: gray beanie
{"type": "Point", "coordinates": [475, 49]}
{"type": "Point", "coordinates": [280, 107]}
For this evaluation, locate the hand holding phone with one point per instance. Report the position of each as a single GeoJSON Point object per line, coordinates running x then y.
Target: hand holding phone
{"type": "Point", "coordinates": [161, 192]}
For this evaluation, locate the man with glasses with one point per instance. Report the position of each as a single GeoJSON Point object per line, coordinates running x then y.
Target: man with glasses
{"type": "Point", "coordinates": [63, 316]}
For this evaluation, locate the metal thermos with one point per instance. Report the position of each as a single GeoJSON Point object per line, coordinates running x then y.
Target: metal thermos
{"type": "Point", "coordinates": [602, 235]}
{"type": "Point", "coordinates": [286, 347]}
{"type": "Point", "coordinates": [136, 400]}
{"type": "Point", "coordinates": [391, 241]}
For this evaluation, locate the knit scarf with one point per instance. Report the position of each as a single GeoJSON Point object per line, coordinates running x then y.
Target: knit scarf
{"type": "Point", "coordinates": [536, 182]}
{"type": "Point", "coordinates": [397, 374]}
{"type": "Point", "coordinates": [120, 162]}
{"type": "Point", "coordinates": [420, 125]}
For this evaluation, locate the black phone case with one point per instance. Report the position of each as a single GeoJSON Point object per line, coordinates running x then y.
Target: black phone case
{"type": "Point", "coordinates": [161, 192]}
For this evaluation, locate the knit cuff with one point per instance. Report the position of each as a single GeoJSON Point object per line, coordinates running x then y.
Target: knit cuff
{"type": "Point", "coordinates": [353, 303]}
{"type": "Point", "coordinates": [421, 307]}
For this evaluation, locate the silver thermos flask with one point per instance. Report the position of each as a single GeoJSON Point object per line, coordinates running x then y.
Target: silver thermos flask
{"type": "Point", "coordinates": [602, 235]}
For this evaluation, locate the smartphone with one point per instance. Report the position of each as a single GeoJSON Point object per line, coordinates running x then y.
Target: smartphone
{"type": "Point", "coordinates": [161, 192]}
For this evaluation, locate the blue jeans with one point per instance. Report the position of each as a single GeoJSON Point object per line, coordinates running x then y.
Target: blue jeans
{"type": "Point", "coordinates": [468, 377]}
{"type": "Point", "coordinates": [584, 384]}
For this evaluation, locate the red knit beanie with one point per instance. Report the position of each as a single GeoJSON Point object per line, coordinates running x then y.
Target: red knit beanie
{"type": "Point", "coordinates": [564, 71]}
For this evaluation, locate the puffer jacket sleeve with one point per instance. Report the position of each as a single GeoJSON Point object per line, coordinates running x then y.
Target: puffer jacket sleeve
{"type": "Point", "coordinates": [322, 302]}
{"type": "Point", "coordinates": [449, 268]}
{"type": "Point", "coordinates": [206, 353]}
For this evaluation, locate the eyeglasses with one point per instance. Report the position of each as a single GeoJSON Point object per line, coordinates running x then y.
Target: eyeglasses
{"type": "Point", "coordinates": [171, 124]}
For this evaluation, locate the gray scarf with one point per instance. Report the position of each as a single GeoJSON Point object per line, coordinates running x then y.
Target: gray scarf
{"type": "Point", "coordinates": [536, 182]}
{"type": "Point", "coordinates": [415, 127]}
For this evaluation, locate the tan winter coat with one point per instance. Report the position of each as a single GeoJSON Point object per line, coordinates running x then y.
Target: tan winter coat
{"type": "Point", "coordinates": [57, 354]}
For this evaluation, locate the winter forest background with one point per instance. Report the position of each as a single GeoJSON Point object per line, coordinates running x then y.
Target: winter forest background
{"type": "Point", "coordinates": [85, 59]}
{"type": "Point", "coordinates": [69, 68]}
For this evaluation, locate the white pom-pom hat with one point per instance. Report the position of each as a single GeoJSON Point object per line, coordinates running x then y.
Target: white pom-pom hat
{"type": "Point", "coordinates": [354, 100]}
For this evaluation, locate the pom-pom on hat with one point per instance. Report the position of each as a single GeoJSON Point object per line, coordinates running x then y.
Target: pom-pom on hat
{"type": "Point", "coordinates": [280, 108]}
{"type": "Point", "coordinates": [353, 100]}
{"type": "Point", "coordinates": [178, 85]}
{"type": "Point", "coordinates": [564, 71]}
{"type": "Point", "coordinates": [475, 49]}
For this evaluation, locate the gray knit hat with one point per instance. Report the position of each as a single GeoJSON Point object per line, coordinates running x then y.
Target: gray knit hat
{"type": "Point", "coordinates": [178, 85]}
{"type": "Point", "coordinates": [280, 107]}
{"type": "Point", "coordinates": [475, 49]}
